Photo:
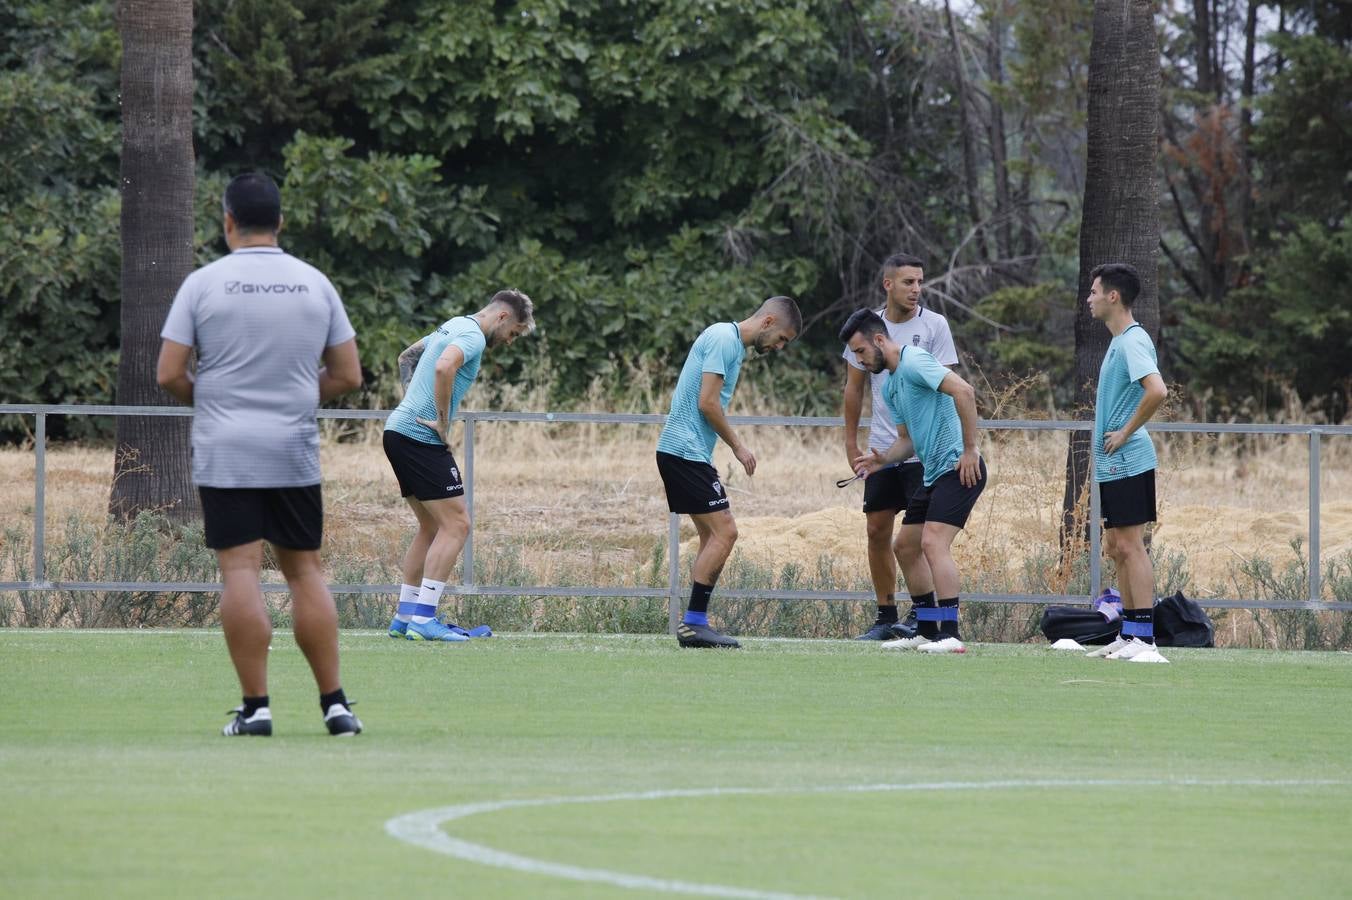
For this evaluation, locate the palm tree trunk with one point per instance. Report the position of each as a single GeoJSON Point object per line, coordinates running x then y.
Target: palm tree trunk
{"type": "Point", "coordinates": [151, 462]}
{"type": "Point", "coordinates": [1120, 221]}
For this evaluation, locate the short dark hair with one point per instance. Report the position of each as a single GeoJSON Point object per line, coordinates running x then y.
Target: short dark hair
{"type": "Point", "coordinates": [520, 305]}
{"type": "Point", "coordinates": [862, 321]}
{"type": "Point", "coordinates": [901, 261]}
{"type": "Point", "coordinates": [787, 311]}
{"type": "Point", "coordinates": [1120, 277]}
{"type": "Point", "coordinates": [254, 202]}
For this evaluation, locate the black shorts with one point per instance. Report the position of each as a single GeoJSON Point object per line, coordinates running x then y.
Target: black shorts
{"type": "Point", "coordinates": [1128, 501]}
{"type": "Point", "coordinates": [425, 471]}
{"type": "Point", "coordinates": [945, 501]}
{"type": "Point", "coordinates": [290, 517]}
{"type": "Point", "coordinates": [692, 487]}
{"type": "Point", "coordinates": [892, 488]}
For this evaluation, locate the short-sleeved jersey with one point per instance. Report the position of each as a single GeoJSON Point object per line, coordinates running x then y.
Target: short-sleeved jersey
{"type": "Point", "coordinates": [420, 400]}
{"type": "Point", "coordinates": [687, 434]}
{"type": "Point", "coordinates": [260, 320]}
{"type": "Point", "coordinates": [912, 395]}
{"type": "Point", "coordinates": [1130, 357]}
{"type": "Point", "coordinates": [927, 330]}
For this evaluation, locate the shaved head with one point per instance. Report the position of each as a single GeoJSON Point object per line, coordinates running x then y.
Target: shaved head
{"type": "Point", "coordinates": [785, 312]}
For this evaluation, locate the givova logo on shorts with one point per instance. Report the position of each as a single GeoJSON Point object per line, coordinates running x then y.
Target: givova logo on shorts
{"type": "Point", "coordinates": [718, 489]}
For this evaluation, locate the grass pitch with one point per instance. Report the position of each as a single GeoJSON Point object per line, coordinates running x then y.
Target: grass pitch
{"type": "Point", "coordinates": [1226, 773]}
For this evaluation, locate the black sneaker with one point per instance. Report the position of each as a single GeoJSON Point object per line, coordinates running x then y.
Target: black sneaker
{"type": "Point", "coordinates": [907, 627]}
{"type": "Point", "coordinates": [702, 636]}
{"type": "Point", "coordinates": [258, 725]}
{"type": "Point", "coordinates": [341, 721]}
{"type": "Point", "coordinates": [880, 631]}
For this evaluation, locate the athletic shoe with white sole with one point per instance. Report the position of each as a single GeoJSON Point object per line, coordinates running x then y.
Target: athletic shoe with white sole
{"type": "Point", "coordinates": [1133, 648]}
{"type": "Point", "coordinates": [879, 631]}
{"type": "Point", "coordinates": [1152, 655]}
{"type": "Point", "coordinates": [398, 629]}
{"type": "Point", "coordinates": [1102, 652]}
{"type": "Point", "coordinates": [910, 643]}
{"type": "Point", "coordinates": [944, 645]}
{"type": "Point", "coordinates": [432, 630]}
{"type": "Point", "coordinates": [257, 725]}
{"type": "Point", "coordinates": [341, 721]}
{"type": "Point", "coordinates": [688, 635]}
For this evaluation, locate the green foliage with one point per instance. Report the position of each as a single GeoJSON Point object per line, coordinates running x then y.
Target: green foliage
{"type": "Point", "coordinates": [642, 168]}
{"type": "Point", "coordinates": [1303, 135]}
{"type": "Point", "coordinates": [1034, 338]}
{"type": "Point", "coordinates": [267, 68]}
{"type": "Point", "coordinates": [1283, 327]}
{"type": "Point", "coordinates": [1285, 323]}
{"type": "Point", "coordinates": [59, 265]}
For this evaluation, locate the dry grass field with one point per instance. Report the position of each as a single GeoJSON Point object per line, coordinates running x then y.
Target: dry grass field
{"type": "Point", "coordinates": [570, 504]}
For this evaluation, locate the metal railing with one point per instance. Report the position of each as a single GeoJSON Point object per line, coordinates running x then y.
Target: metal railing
{"type": "Point", "coordinates": [672, 592]}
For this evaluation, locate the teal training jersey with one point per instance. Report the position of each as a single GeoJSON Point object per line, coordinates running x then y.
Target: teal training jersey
{"type": "Point", "coordinates": [687, 433]}
{"type": "Point", "coordinates": [912, 395]}
{"type": "Point", "coordinates": [420, 400]}
{"type": "Point", "coordinates": [1130, 357]}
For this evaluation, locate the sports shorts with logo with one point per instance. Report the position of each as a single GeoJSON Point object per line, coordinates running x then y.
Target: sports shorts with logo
{"type": "Point", "coordinates": [692, 487]}
{"type": "Point", "coordinates": [947, 500]}
{"type": "Point", "coordinates": [291, 517]}
{"type": "Point", "coordinates": [1128, 501]}
{"type": "Point", "coordinates": [893, 487]}
{"type": "Point", "coordinates": [425, 471]}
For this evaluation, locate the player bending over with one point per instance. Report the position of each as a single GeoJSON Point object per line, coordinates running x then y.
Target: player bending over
{"type": "Point", "coordinates": [437, 372]}
{"type": "Point", "coordinates": [685, 449]}
{"type": "Point", "coordinates": [935, 413]}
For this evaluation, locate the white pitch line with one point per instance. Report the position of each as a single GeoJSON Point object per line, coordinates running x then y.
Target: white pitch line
{"type": "Point", "coordinates": [423, 827]}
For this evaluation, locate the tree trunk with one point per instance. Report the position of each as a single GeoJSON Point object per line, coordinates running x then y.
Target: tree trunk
{"type": "Point", "coordinates": [969, 175]}
{"type": "Point", "coordinates": [151, 463]}
{"type": "Point", "coordinates": [1004, 214]}
{"type": "Point", "coordinates": [1120, 221]}
{"type": "Point", "coordinates": [1246, 124]}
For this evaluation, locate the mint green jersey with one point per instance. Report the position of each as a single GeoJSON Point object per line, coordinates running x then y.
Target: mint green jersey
{"type": "Point", "coordinates": [687, 434]}
{"type": "Point", "coordinates": [420, 400]}
{"type": "Point", "coordinates": [1130, 358]}
{"type": "Point", "coordinates": [913, 397]}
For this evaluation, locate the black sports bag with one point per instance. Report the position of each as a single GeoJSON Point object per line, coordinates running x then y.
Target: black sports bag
{"type": "Point", "coordinates": [1179, 622]}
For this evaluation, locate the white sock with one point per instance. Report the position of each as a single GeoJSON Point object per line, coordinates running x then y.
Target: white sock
{"type": "Point", "coordinates": [408, 596]}
{"type": "Point", "coordinates": [429, 596]}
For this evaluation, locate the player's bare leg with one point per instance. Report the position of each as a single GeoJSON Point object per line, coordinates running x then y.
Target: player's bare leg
{"type": "Point", "coordinates": [717, 535]}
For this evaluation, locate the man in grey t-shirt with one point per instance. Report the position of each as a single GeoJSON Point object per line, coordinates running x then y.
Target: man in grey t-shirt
{"type": "Point", "coordinates": [261, 322]}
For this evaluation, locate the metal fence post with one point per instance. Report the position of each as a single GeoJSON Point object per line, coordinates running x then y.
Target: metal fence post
{"type": "Point", "coordinates": [673, 572]}
{"type": "Point", "coordinates": [1315, 587]}
{"type": "Point", "coordinates": [1095, 540]}
{"type": "Point", "coordinates": [40, 501]}
{"type": "Point", "coordinates": [467, 554]}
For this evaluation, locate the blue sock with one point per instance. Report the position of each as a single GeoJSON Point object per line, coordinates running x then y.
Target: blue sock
{"type": "Point", "coordinates": [695, 618]}
{"type": "Point", "coordinates": [1139, 624]}
{"type": "Point", "coordinates": [927, 615]}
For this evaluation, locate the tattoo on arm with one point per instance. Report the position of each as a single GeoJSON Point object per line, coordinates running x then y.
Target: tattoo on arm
{"type": "Point", "coordinates": [408, 361]}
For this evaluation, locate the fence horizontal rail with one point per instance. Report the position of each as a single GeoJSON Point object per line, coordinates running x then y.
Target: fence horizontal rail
{"type": "Point", "coordinates": [622, 593]}
{"type": "Point", "coordinates": [604, 418]}
{"type": "Point", "coordinates": [1314, 432]}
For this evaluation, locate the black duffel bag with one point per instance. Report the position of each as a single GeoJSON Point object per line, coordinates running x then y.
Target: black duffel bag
{"type": "Point", "coordinates": [1179, 622]}
{"type": "Point", "coordinates": [1078, 623]}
